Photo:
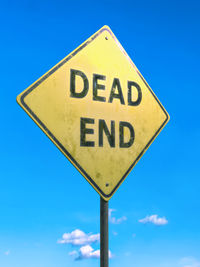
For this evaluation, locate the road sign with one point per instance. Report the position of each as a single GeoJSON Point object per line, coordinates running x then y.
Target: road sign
{"type": "Point", "coordinates": [96, 107]}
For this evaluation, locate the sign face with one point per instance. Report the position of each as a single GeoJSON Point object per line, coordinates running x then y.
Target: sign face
{"type": "Point", "coordinates": [96, 107]}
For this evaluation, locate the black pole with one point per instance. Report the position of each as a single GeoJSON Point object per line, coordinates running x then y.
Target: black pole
{"type": "Point", "coordinates": [103, 233]}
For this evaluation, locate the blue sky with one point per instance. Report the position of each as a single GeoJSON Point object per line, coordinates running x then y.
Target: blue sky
{"type": "Point", "coordinates": [42, 196]}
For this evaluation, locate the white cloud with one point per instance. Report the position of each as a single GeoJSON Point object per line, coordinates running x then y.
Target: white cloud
{"type": "Point", "coordinates": [79, 238]}
{"type": "Point", "coordinates": [154, 219]}
{"type": "Point", "coordinates": [87, 252]}
{"type": "Point", "coordinates": [189, 262]}
{"type": "Point", "coordinates": [115, 220]}
{"type": "Point", "coordinates": [7, 252]}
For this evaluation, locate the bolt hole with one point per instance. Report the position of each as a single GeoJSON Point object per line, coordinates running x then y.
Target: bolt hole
{"type": "Point", "coordinates": [106, 38]}
{"type": "Point", "coordinates": [107, 185]}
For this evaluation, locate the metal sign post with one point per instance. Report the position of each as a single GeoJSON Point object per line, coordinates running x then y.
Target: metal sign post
{"type": "Point", "coordinates": [103, 233]}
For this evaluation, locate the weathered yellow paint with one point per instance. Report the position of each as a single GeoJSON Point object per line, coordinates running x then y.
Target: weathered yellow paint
{"type": "Point", "coordinates": [49, 104]}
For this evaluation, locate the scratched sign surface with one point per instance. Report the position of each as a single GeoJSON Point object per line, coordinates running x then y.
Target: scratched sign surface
{"type": "Point", "coordinates": [98, 110]}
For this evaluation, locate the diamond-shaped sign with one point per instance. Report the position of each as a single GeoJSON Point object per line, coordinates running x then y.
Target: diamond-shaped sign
{"type": "Point", "coordinates": [98, 110]}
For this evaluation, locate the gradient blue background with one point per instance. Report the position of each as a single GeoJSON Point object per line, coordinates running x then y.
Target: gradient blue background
{"type": "Point", "coordinates": [42, 195]}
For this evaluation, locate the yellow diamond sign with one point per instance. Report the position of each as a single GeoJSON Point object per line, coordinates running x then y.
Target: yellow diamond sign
{"type": "Point", "coordinates": [98, 110]}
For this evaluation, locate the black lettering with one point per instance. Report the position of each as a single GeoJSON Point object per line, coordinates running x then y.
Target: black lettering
{"type": "Point", "coordinates": [110, 135]}
{"type": "Point", "coordinates": [119, 95]}
{"type": "Point", "coordinates": [122, 144]}
{"type": "Point", "coordinates": [97, 87]}
{"type": "Point", "coordinates": [139, 99]}
{"type": "Point", "coordinates": [84, 91]}
{"type": "Point", "coordinates": [85, 131]}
